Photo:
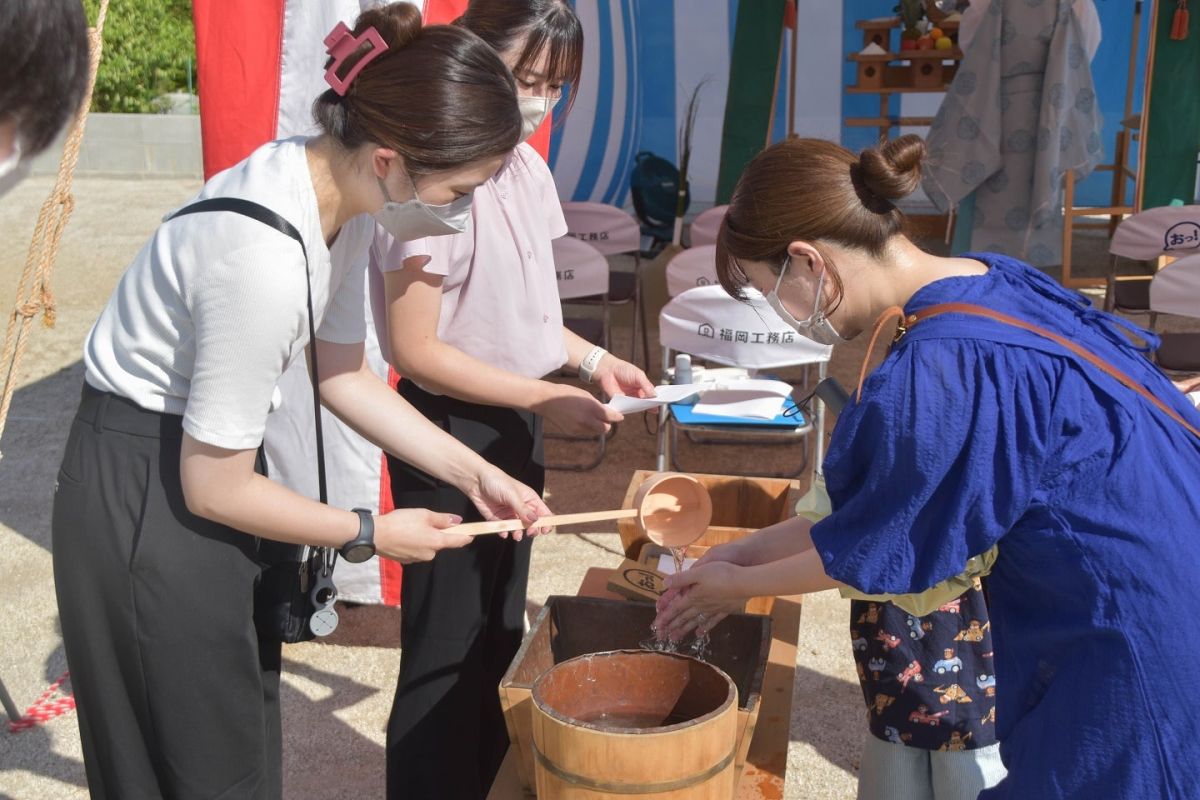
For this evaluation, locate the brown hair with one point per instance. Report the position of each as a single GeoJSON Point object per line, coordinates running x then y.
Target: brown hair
{"type": "Point", "coordinates": [820, 192]}
{"type": "Point", "coordinates": [439, 95]}
{"type": "Point", "coordinates": [546, 25]}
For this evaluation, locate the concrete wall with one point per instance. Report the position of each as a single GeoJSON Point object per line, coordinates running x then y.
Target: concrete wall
{"type": "Point", "coordinates": [134, 145]}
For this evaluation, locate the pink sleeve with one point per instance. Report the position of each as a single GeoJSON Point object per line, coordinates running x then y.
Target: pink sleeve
{"type": "Point", "coordinates": [390, 255]}
{"type": "Point", "coordinates": [556, 223]}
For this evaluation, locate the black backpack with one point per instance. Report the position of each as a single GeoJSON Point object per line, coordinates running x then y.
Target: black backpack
{"type": "Point", "coordinates": [654, 188]}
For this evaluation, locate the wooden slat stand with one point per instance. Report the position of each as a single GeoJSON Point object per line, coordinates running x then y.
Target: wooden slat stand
{"type": "Point", "coordinates": [766, 761]}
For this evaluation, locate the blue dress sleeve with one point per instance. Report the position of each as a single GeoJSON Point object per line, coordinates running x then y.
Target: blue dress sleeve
{"type": "Point", "coordinates": [936, 463]}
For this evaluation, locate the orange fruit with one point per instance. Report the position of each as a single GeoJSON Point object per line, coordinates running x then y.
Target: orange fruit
{"type": "Point", "coordinates": [935, 33]}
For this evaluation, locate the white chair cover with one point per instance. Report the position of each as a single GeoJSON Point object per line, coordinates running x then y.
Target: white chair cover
{"type": "Point", "coordinates": [606, 228]}
{"type": "Point", "coordinates": [708, 323]}
{"type": "Point", "coordinates": [705, 226]}
{"type": "Point", "coordinates": [1175, 289]}
{"type": "Point", "coordinates": [1163, 231]}
{"type": "Point", "coordinates": [582, 271]}
{"type": "Point", "coordinates": [696, 266]}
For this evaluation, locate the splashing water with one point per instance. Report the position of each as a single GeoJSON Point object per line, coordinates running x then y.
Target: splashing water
{"type": "Point", "coordinates": [656, 642]}
{"type": "Point", "coordinates": [678, 553]}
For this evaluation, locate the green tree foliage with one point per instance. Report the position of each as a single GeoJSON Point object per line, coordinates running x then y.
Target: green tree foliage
{"type": "Point", "coordinates": [148, 45]}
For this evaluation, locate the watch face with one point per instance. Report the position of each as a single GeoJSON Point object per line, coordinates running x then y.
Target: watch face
{"type": "Point", "coordinates": [358, 553]}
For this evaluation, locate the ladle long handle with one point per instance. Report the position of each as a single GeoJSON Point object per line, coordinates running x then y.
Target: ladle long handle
{"type": "Point", "coordinates": [503, 525]}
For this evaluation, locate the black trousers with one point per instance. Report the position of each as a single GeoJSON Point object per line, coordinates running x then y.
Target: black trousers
{"type": "Point", "coordinates": [462, 616]}
{"type": "Point", "coordinates": [177, 697]}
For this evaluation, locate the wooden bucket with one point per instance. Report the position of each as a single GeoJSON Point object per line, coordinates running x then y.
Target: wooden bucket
{"type": "Point", "coordinates": [569, 627]}
{"type": "Point", "coordinates": [634, 724]}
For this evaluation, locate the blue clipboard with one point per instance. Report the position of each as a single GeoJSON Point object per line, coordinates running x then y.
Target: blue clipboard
{"type": "Point", "coordinates": [791, 418]}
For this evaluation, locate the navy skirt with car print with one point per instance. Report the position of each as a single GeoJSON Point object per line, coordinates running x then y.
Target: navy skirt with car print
{"type": "Point", "coordinates": [928, 681]}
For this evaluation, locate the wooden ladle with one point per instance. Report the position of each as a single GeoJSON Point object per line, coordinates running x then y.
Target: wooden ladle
{"type": "Point", "coordinates": [673, 509]}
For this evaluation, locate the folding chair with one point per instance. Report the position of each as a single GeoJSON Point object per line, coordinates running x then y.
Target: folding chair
{"type": "Point", "coordinates": [706, 225]}
{"type": "Point", "coordinates": [708, 324]}
{"type": "Point", "coordinates": [687, 269]}
{"type": "Point", "coordinates": [583, 275]}
{"type": "Point", "coordinates": [1176, 290]}
{"type": "Point", "coordinates": [613, 232]}
{"type": "Point", "coordinates": [1146, 236]}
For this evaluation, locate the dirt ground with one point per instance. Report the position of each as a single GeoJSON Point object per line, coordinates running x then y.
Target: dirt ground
{"type": "Point", "coordinates": [336, 693]}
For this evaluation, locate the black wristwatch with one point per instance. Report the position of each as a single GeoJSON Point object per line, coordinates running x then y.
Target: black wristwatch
{"type": "Point", "coordinates": [361, 547]}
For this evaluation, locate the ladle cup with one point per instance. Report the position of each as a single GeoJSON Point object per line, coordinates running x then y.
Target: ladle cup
{"type": "Point", "coordinates": [672, 509]}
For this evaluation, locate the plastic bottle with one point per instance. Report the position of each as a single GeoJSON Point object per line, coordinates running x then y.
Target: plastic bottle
{"type": "Point", "coordinates": [683, 374]}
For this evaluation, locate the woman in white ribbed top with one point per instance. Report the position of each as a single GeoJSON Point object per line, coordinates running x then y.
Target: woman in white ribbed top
{"type": "Point", "coordinates": [159, 509]}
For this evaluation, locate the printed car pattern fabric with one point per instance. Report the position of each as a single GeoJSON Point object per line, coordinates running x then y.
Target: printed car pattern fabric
{"type": "Point", "coordinates": [927, 681]}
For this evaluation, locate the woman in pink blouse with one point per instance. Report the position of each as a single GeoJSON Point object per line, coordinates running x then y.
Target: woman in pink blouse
{"type": "Point", "coordinates": [473, 324]}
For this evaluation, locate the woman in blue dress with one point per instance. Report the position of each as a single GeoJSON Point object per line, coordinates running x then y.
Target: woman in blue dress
{"type": "Point", "coordinates": [1047, 434]}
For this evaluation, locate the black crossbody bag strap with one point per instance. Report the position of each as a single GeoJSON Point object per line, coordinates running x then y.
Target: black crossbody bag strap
{"type": "Point", "coordinates": [286, 603]}
{"type": "Point", "coordinates": [260, 213]}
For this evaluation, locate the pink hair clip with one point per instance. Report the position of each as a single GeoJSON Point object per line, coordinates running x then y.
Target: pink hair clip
{"type": "Point", "coordinates": [341, 43]}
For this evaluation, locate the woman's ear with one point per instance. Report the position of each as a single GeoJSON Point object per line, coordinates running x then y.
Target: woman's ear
{"type": "Point", "coordinates": [381, 161]}
{"type": "Point", "coordinates": [805, 254]}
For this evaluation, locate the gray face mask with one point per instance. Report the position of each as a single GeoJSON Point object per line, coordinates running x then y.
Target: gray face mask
{"type": "Point", "coordinates": [817, 326]}
{"type": "Point", "coordinates": [13, 170]}
{"type": "Point", "coordinates": [416, 219]}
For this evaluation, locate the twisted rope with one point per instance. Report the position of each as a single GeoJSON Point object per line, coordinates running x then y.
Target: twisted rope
{"type": "Point", "coordinates": [53, 703]}
{"type": "Point", "coordinates": [34, 294]}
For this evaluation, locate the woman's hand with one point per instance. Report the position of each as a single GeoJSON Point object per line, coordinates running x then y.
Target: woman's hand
{"type": "Point", "coordinates": [575, 411]}
{"type": "Point", "coordinates": [615, 377]}
{"type": "Point", "coordinates": [415, 534]}
{"type": "Point", "coordinates": [699, 598]}
{"type": "Point", "coordinates": [497, 496]}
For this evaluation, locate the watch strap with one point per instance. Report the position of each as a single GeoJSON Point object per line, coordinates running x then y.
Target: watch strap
{"type": "Point", "coordinates": [591, 362]}
{"type": "Point", "coordinates": [366, 531]}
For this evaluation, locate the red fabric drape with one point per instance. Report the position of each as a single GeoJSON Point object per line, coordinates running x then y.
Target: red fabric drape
{"type": "Point", "coordinates": [237, 61]}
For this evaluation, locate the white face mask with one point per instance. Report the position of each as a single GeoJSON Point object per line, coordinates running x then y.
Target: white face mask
{"type": "Point", "coordinates": [817, 327]}
{"type": "Point", "coordinates": [13, 170]}
{"type": "Point", "coordinates": [416, 219]}
{"type": "Point", "coordinates": [534, 111]}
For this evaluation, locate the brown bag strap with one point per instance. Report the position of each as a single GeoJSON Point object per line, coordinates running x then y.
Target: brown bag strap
{"type": "Point", "coordinates": [894, 312]}
{"type": "Point", "coordinates": [907, 321]}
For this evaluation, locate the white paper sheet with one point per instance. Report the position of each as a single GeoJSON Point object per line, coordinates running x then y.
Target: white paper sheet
{"type": "Point", "coordinates": [666, 564]}
{"type": "Point", "coordinates": [751, 399]}
{"type": "Point", "coordinates": [663, 395]}
{"type": "Point", "coordinates": [755, 398]}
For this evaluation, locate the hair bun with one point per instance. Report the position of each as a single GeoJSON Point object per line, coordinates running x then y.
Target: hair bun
{"type": "Point", "coordinates": [397, 23]}
{"type": "Point", "coordinates": [893, 170]}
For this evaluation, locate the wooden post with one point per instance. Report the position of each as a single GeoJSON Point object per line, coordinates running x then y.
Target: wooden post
{"type": "Point", "coordinates": [1146, 99]}
{"type": "Point", "coordinates": [1068, 224]}
{"type": "Point", "coordinates": [791, 126]}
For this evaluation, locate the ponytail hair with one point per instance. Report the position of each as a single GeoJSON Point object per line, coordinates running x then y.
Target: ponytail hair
{"type": "Point", "coordinates": [439, 95]}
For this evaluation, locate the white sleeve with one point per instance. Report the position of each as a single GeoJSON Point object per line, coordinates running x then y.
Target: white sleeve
{"type": "Point", "coordinates": [345, 320]}
{"type": "Point", "coordinates": [248, 310]}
